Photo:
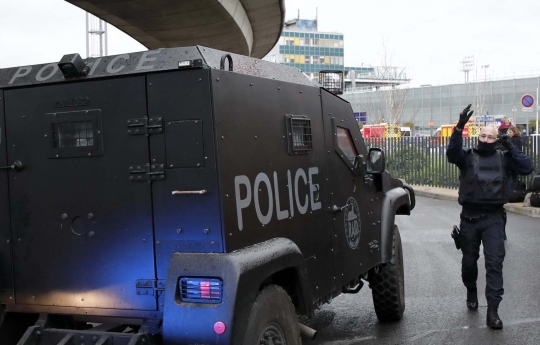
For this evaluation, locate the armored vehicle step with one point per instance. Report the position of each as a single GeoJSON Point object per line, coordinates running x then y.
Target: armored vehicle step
{"type": "Point", "coordinates": [37, 335]}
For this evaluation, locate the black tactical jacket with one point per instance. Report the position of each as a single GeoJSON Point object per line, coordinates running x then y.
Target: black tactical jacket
{"type": "Point", "coordinates": [515, 162]}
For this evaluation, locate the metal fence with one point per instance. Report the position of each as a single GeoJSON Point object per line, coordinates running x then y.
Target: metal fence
{"type": "Point", "coordinates": [422, 160]}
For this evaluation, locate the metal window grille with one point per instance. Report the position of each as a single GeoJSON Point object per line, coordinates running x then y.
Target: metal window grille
{"type": "Point", "coordinates": [332, 81]}
{"type": "Point", "coordinates": [73, 134]}
{"type": "Point", "coordinates": [301, 135]}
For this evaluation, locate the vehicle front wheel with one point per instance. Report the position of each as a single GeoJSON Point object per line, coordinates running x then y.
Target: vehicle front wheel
{"type": "Point", "coordinates": [273, 319]}
{"type": "Point", "coordinates": [388, 285]}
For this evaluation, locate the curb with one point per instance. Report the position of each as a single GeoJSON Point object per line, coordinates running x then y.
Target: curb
{"type": "Point", "coordinates": [451, 196]}
{"type": "Point", "coordinates": [524, 210]}
{"type": "Point", "coordinates": [435, 195]}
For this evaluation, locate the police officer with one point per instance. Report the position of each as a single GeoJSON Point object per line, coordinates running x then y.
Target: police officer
{"type": "Point", "coordinates": [483, 190]}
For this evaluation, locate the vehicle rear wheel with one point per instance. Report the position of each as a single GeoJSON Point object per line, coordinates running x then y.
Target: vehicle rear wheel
{"type": "Point", "coordinates": [388, 285]}
{"type": "Point", "coordinates": [273, 319]}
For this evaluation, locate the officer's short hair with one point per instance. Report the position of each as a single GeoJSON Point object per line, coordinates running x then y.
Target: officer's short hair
{"type": "Point", "coordinates": [493, 127]}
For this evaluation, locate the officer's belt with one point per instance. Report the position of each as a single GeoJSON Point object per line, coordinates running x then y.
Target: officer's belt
{"type": "Point", "coordinates": [473, 218]}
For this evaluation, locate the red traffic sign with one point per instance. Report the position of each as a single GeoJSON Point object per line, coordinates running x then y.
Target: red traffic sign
{"type": "Point", "coordinates": [527, 101]}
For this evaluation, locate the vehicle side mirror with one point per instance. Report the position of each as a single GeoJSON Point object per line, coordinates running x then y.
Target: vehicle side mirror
{"type": "Point", "coordinates": [376, 162]}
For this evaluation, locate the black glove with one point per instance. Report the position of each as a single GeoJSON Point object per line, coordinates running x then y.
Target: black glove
{"type": "Point", "coordinates": [505, 141]}
{"type": "Point", "coordinates": [464, 117]}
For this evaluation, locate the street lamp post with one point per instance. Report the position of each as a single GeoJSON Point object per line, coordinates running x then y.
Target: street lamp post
{"type": "Point", "coordinates": [536, 137]}
{"type": "Point", "coordinates": [485, 67]}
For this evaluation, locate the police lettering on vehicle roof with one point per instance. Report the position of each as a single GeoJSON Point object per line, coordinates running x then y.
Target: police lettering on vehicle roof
{"type": "Point", "coordinates": [120, 64]}
{"type": "Point", "coordinates": [302, 202]}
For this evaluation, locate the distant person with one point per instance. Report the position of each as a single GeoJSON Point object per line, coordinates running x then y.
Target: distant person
{"type": "Point", "coordinates": [517, 188]}
{"type": "Point", "coordinates": [515, 136]}
{"type": "Point", "coordinates": [483, 191]}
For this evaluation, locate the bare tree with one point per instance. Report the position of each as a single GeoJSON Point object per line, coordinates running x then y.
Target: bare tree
{"type": "Point", "coordinates": [480, 95]}
{"type": "Point", "coordinates": [387, 100]}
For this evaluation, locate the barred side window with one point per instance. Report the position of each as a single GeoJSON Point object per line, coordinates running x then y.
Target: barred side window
{"type": "Point", "coordinates": [73, 134]}
{"type": "Point", "coordinates": [299, 134]}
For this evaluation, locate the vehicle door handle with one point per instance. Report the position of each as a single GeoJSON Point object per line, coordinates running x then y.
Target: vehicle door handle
{"type": "Point", "coordinates": [187, 192]}
{"type": "Point", "coordinates": [17, 166]}
{"type": "Point", "coordinates": [336, 208]}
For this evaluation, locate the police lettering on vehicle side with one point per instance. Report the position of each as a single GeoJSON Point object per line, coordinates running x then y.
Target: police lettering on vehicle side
{"type": "Point", "coordinates": [302, 202]}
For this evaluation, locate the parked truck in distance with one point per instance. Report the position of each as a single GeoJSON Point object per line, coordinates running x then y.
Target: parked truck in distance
{"type": "Point", "coordinates": [385, 130]}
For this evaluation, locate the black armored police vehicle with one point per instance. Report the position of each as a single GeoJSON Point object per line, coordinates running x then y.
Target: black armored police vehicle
{"type": "Point", "coordinates": [186, 196]}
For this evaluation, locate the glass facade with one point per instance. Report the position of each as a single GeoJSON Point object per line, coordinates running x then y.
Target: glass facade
{"type": "Point", "coordinates": [360, 72]}
{"type": "Point", "coordinates": [302, 46]}
{"type": "Point", "coordinates": [311, 52]}
{"type": "Point", "coordinates": [439, 105]}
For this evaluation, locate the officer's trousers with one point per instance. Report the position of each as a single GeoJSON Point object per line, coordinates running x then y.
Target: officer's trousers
{"type": "Point", "coordinates": [488, 230]}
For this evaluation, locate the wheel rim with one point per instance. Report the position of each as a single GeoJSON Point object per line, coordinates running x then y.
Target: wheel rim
{"type": "Point", "coordinates": [272, 335]}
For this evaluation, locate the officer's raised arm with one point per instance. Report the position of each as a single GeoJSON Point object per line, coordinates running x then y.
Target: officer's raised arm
{"type": "Point", "coordinates": [454, 151]}
{"type": "Point", "coordinates": [519, 162]}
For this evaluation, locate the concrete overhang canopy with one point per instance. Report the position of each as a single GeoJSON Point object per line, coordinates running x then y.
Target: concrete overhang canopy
{"type": "Point", "coordinates": [247, 27]}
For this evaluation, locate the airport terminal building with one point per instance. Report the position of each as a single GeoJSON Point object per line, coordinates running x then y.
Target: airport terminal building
{"type": "Point", "coordinates": [429, 106]}
{"type": "Point", "coordinates": [383, 93]}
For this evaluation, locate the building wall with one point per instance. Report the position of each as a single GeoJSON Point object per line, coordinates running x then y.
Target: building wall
{"type": "Point", "coordinates": [442, 104]}
{"type": "Point", "coordinates": [310, 52]}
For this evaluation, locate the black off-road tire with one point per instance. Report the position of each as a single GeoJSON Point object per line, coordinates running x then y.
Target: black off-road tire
{"type": "Point", "coordinates": [273, 319]}
{"type": "Point", "coordinates": [388, 285]}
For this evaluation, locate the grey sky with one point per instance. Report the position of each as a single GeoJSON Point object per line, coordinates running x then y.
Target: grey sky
{"type": "Point", "coordinates": [428, 37]}
{"type": "Point", "coordinates": [431, 37]}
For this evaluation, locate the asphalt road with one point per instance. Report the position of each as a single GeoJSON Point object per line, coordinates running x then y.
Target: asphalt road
{"type": "Point", "coordinates": [435, 311]}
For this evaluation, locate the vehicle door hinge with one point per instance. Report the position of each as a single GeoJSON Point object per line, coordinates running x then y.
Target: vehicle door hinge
{"type": "Point", "coordinates": [147, 172]}
{"type": "Point", "coordinates": [150, 287]}
{"type": "Point", "coordinates": [152, 125]}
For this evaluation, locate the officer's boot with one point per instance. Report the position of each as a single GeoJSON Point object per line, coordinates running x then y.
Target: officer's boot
{"type": "Point", "coordinates": [472, 299]}
{"type": "Point", "coordinates": [492, 319]}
